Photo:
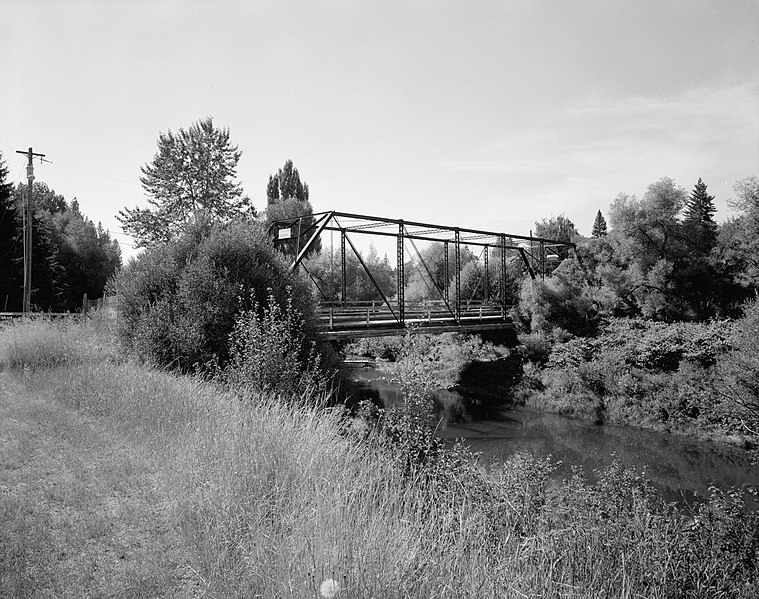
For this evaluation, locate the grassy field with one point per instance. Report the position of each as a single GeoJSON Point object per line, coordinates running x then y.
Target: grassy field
{"type": "Point", "coordinates": [118, 480]}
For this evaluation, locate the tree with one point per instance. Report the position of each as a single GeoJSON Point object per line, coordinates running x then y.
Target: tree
{"type": "Point", "coordinates": [747, 194]}
{"type": "Point", "coordinates": [557, 228]}
{"type": "Point", "coordinates": [287, 198]}
{"type": "Point", "coordinates": [286, 184]}
{"type": "Point", "coordinates": [179, 301]}
{"type": "Point", "coordinates": [71, 256]}
{"type": "Point", "coordinates": [700, 228]}
{"type": "Point", "coordinates": [48, 278]}
{"type": "Point", "coordinates": [87, 254]}
{"type": "Point", "coordinates": [599, 226]}
{"type": "Point", "coordinates": [10, 244]}
{"type": "Point", "coordinates": [737, 247]}
{"type": "Point", "coordinates": [191, 180]}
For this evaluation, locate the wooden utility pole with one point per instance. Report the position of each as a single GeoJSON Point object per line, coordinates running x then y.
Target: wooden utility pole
{"type": "Point", "coordinates": [27, 225]}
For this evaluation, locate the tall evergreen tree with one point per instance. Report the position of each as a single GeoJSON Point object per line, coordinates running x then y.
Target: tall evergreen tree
{"type": "Point", "coordinates": [286, 184]}
{"type": "Point", "coordinates": [699, 219]}
{"type": "Point", "coordinates": [287, 198]}
{"type": "Point", "coordinates": [599, 226]}
{"type": "Point", "coordinates": [49, 284]}
{"type": "Point", "coordinates": [10, 245]}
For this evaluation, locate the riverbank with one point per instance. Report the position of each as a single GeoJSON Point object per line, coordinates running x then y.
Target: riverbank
{"type": "Point", "coordinates": [270, 497]}
{"type": "Point", "coordinates": [685, 379]}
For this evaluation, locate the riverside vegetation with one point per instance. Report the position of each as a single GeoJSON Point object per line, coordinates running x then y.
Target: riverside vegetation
{"type": "Point", "coordinates": [120, 479]}
{"type": "Point", "coordinates": [194, 450]}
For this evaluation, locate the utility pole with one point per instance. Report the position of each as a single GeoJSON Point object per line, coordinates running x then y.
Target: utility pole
{"type": "Point", "coordinates": [27, 226]}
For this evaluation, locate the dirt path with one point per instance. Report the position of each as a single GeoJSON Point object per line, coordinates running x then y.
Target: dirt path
{"type": "Point", "coordinates": [82, 511]}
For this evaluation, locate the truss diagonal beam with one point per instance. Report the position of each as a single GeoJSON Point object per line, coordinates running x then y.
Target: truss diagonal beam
{"type": "Point", "coordinates": [432, 278]}
{"type": "Point", "coordinates": [376, 286]}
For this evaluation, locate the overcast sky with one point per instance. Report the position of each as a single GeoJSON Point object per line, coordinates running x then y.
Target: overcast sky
{"type": "Point", "coordinates": [482, 114]}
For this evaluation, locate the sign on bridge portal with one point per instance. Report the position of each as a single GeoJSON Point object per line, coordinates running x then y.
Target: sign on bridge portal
{"type": "Point", "coordinates": [443, 279]}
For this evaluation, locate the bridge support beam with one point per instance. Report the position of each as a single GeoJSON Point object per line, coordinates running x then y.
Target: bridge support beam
{"type": "Point", "coordinates": [447, 270]}
{"type": "Point", "coordinates": [343, 278]}
{"type": "Point", "coordinates": [457, 249]}
{"type": "Point", "coordinates": [400, 276]}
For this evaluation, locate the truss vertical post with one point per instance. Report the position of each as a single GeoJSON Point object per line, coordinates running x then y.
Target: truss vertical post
{"type": "Point", "coordinates": [542, 261]}
{"type": "Point", "coordinates": [343, 285]}
{"type": "Point", "coordinates": [297, 241]}
{"type": "Point", "coordinates": [487, 274]}
{"type": "Point", "coordinates": [458, 274]}
{"type": "Point", "coordinates": [400, 277]}
{"type": "Point", "coordinates": [446, 271]}
{"type": "Point", "coordinates": [502, 282]}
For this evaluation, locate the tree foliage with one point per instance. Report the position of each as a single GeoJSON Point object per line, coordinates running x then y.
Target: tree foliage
{"type": "Point", "coordinates": [599, 226]}
{"type": "Point", "coordinates": [10, 230]}
{"type": "Point", "coordinates": [287, 198]}
{"type": "Point", "coordinates": [698, 220]}
{"type": "Point", "coordinates": [180, 300]}
{"type": "Point", "coordinates": [558, 228]}
{"type": "Point", "coordinates": [286, 184]}
{"type": "Point", "coordinates": [86, 252]}
{"type": "Point", "coordinates": [70, 256]}
{"type": "Point", "coordinates": [191, 181]}
{"type": "Point", "coordinates": [326, 270]}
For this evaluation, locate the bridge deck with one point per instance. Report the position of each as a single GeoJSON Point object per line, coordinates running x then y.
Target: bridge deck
{"type": "Point", "coordinates": [375, 319]}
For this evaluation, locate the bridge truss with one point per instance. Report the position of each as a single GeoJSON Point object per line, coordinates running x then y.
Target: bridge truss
{"type": "Point", "coordinates": [446, 308]}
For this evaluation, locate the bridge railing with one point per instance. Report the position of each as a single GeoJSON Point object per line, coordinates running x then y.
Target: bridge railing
{"type": "Point", "coordinates": [354, 315]}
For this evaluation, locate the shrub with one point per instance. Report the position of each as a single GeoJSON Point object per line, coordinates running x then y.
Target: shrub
{"type": "Point", "coordinates": [535, 347]}
{"type": "Point", "coordinates": [179, 301]}
{"type": "Point", "coordinates": [564, 301]}
{"type": "Point", "coordinates": [269, 352]}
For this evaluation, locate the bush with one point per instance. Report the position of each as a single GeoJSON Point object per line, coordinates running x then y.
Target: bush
{"type": "Point", "coordinates": [680, 378]}
{"type": "Point", "coordinates": [739, 370]}
{"type": "Point", "coordinates": [269, 353]}
{"type": "Point", "coordinates": [562, 302]}
{"type": "Point", "coordinates": [179, 301]}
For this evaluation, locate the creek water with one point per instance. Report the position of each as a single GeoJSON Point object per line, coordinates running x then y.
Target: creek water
{"type": "Point", "coordinates": [681, 469]}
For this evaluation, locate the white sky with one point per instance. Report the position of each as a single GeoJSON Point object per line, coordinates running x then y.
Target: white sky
{"type": "Point", "coordinates": [481, 114]}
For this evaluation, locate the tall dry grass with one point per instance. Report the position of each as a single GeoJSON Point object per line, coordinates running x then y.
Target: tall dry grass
{"type": "Point", "coordinates": [33, 343]}
{"type": "Point", "coordinates": [281, 499]}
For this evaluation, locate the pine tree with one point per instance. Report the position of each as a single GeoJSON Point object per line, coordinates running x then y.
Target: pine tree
{"type": "Point", "coordinates": [599, 226]}
{"type": "Point", "coordinates": [11, 281]}
{"type": "Point", "coordinates": [699, 218]}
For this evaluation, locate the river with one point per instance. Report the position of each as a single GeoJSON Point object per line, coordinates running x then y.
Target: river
{"type": "Point", "coordinates": [681, 469]}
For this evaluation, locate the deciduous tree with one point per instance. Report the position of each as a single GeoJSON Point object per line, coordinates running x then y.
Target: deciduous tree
{"type": "Point", "coordinates": [191, 181]}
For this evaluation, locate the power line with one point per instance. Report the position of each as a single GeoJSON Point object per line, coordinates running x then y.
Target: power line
{"type": "Point", "coordinates": [74, 168]}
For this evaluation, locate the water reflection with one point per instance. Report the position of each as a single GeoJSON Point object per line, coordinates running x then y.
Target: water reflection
{"type": "Point", "coordinates": [680, 468]}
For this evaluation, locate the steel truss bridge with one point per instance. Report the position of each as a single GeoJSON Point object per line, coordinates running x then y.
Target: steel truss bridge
{"type": "Point", "coordinates": [445, 308]}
